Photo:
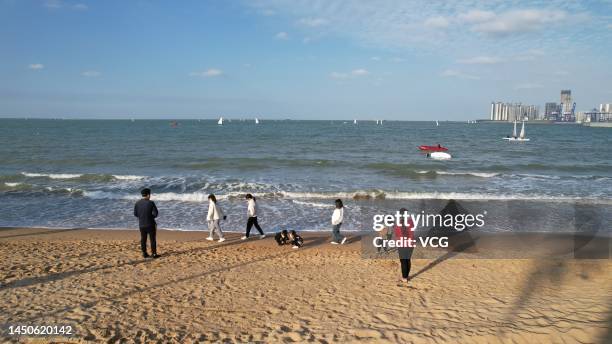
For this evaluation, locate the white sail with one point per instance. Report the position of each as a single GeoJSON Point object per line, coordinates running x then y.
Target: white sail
{"type": "Point", "coordinates": [256, 121]}
{"type": "Point", "coordinates": [437, 124]}
{"type": "Point", "coordinates": [220, 122]}
{"type": "Point", "coordinates": [522, 136]}
{"type": "Point", "coordinates": [514, 131]}
{"type": "Point", "coordinates": [354, 121]}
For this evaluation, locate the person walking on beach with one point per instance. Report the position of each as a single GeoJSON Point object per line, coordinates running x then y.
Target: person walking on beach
{"type": "Point", "coordinates": [405, 232]}
{"type": "Point", "coordinates": [252, 217]}
{"type": "Point", "coordinates": [214, 216]}
{"type": "Point", "coordinates": [337, 218]}
{"type": "Point", "coordinates": [146, 212]}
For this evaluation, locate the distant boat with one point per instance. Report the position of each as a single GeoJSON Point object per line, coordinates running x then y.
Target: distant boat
{"type": "Point", "coordinates": [256, 121]}
{"type": "Point", "coordinates": [354, 121]}
{"type": "Point", "coordinates": [521, 137]}
{"type": "Point", "coordinates": [437, 124]}
{"type": "Point", "coordinates": [439, 156]}
{"type": "Point", "coordinates": [220, 121]}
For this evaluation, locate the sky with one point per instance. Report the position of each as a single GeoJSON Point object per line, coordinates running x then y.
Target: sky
{"type": "Point", "coordinates": [318, 59]}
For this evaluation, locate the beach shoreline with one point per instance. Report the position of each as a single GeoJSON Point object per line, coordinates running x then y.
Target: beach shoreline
{"type": "Point", "coordinates": [237, 291]}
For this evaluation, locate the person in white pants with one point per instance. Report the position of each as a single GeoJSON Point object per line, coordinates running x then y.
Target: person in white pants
{"type": "Point", "coordinates": [214, 216]}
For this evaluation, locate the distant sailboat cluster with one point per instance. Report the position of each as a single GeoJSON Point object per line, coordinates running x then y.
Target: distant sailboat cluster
{"type": "Point", "coordinates": [221, 120]}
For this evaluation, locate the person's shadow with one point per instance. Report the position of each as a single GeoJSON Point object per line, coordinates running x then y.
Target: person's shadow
{"type": "Point", "coordinates": [458, 241]}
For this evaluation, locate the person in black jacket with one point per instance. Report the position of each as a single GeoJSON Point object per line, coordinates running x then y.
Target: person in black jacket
{"type": "Point", "coordinates": [146, 212]}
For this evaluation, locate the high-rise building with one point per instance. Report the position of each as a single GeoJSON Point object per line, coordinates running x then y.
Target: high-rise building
{"type": "Point", "coordinates": [551, 111]}
{"type": "Point", "coordinates": [513, 112]}
{"type": "Point", "coordinates": [566, 102]}
{"type": "Point", "coordinates": [605, 107]}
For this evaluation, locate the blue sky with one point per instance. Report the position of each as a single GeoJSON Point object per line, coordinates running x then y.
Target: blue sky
{"type": "Point", "coordinates": [412, 60]}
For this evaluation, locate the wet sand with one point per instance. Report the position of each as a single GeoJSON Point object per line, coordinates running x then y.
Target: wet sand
{"type": "Point", "coordinates": [256, 291]}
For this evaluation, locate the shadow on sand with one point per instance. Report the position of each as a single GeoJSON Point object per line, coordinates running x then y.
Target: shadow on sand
{"type": "Point", "coordinates": [311, 243]}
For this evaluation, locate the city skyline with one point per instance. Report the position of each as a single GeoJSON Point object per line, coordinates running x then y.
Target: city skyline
{"type": "Point", "coordinates": [299, 60]}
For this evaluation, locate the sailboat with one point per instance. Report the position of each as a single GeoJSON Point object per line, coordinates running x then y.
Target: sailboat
{"type": "Point", "coordinates": [437, 124]}
{"type": "Point", "coordinates": [521, 137]}
{"type": "Point", "coordinates": [220, 122]}
{"type": "Point", "coordinates": [354, 121]}
{"type": "Point", "coordinates": [256, 121]}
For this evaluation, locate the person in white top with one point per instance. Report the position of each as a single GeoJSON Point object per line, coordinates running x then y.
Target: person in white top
{"type": "Point", "coordinates": [214, 216]}
{"type": "Point", "coordinates": [252, 217]}
{"type": "Point", "coordinates": [337, 218]}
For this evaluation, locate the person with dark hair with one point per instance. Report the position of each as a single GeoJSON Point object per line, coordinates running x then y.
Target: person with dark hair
{"type": "Point", "coordinates": [405, 231]}
{"type": "Point", "coordinates": [146, 212]}
{"type": "Point", "coordinates": [282, 237]}
{"type": "Point", "coordinates": [296, 239]}
{"type": "Point", "coordinates": [337, 218]}
{"type": "Point", "coordinates": [214, 216]}
{"type": "Point", "coordinates": [252, 217]}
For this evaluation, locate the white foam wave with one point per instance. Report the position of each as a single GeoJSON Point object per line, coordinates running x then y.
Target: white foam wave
{"type": "Point", "coordinates": [127, 177]}
{"type": "Point", "coordinates": [300, 197]}
{"type": "Point", "coordinates": [474, 174]}
{"type": "Point", "coordinates": [313, 204]}
{"type": "Point", "coordinates": [52, 175]}
{"type": "Point", "coordinates": [12, 185]}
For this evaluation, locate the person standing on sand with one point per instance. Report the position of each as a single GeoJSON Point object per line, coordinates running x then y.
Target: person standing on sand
{"type": "Point", "coordinates": [405, 232]}
{"type": "Point", "coordinates": [337, 218]}
{"type": "Point", "coordinates": [252, 217]}
{"type": "Point", "coordinates": [146, 212]}
{"type": "Point", "coordinates": [214, 216]}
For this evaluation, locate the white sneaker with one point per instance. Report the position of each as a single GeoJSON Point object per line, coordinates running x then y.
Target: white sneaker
{"type": "Point", "coordinates": [343, 241]}
{"type": "Point", "coordinates": [262, 236]}
{"type": "Point", "coordinates": [222, 240]}
{"type": "Point", "coordinates": [210, 239]}
{"type": "Point", "coordinates": [334, 243]}
{"type": "Point", "coordinates": [244, 238]}
{"type": "Point", "coordinates": [295, 246]}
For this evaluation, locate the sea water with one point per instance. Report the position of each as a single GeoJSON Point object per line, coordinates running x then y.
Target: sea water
{"type": "Point", "coordinates": [88, 173]}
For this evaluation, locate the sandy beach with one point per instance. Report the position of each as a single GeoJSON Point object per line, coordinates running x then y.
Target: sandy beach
{"type": "Point", "coordinates": [255, 291]}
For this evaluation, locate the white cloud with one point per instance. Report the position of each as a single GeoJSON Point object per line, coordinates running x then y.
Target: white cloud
{"type": "Point", "coordinates": [398, 59]}
{"type": "Point", "coordinates": [359, 72]}
{"type": "Point", "coordinates": [91, 74]}
{"type": "Point", "coordinates": [451, 73]}
{"type": "Point", "coordinates": [527, 86]}
{"type": "Point", "coordinates": [481, 60]}
{"type": "Point", "coordinates": [355, 73]}
{"type": "Point", "coordinates": [518, 21]}
{"type": "Point", "coordinates": [36, 66]}
{"type": "Point", "coordinates": [282, 36]}
{"type": "Point", "coordinates": [312, 22]}
{"type": "Point", "coordinates": [609, 26]}
{"type": "Point", "coordinates": [209, 73]}
{"type": "Point", "coordinates": [375, 58]}
{"type": "Point", "coordinates": [530, 55]}
{"type": "Point", "coordinates": [455, 27]}
{"type": "Point", "coordinates": [438, 22]}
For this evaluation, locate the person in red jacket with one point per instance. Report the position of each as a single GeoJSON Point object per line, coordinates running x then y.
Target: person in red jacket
{"type": "Point", "coordinates": [405, 253]}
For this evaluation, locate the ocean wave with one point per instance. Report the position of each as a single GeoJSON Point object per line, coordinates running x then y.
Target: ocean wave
{"type": "Point", "coordinates": [83, 176]}
{"type": "Point", "coordinates": [52, 175]}
{"type": "Point", "coordinates": [461, 173]}
{"type": "Point", "coordinates": [300, 197]}
{"type": "Point", "coordinates": [313, 204]}
{"type": "Point", "coordinates": [128, 177]}
{"type": "Point", "coordinates": [12, 185]}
